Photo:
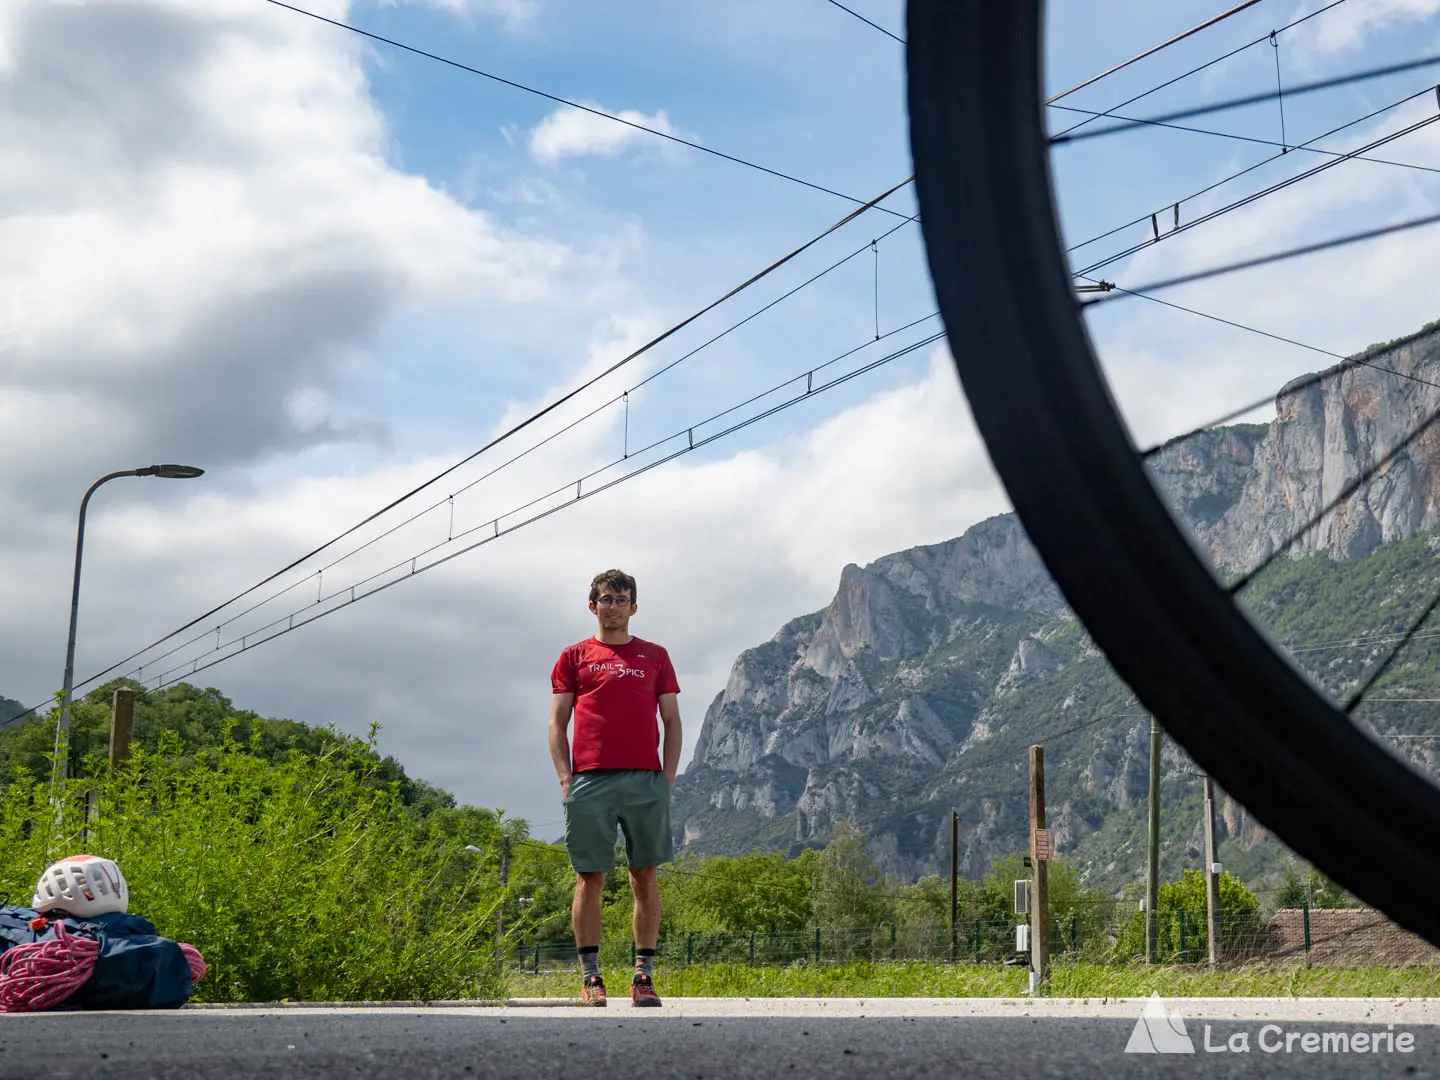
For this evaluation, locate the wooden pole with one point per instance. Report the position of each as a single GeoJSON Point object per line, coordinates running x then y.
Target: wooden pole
{"type": "Point", "coordinates": [1212, 877]}
{"type": "Point", "coordinates": [1152, 860]}
{"type": "Point", "coordinates": [1039, 880]}
{"type": "Point", "coordinates": [122, 724]}
{"type": "Point", "coordinates": [954, 876]}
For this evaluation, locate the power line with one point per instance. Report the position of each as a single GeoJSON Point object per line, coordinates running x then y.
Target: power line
{"type": "Point", "coordinates": [515, 429]}
{"type": "Point", "coordinates": [969, 766]}
{"type": "Point", "coordinates": [567, 102]}
{"type": "Point", "coordinates": [1375, 676]}
{"type": "Point", "coordinates": [1295, 386]}
{"type": "Point", "coordinates": [452, 536]}
{"type": "Point", "coordinates": [867, 22]}
{"type": "Point", "coordinates": [1153, 50]}
{"type": "Point", "coordinates": [316, 574]}
{"type": "Point", "coordinates": [1280, 256]}
{"type": "Point", "coordinates": [1256, 140]}
{"type": "Point", "coordinates": [288, 624]}
{"type": "Point", "coordinates": [1252, 99]}
{"type": "Point", "coordinates": [1360, 641]}
{"type": "Point", "coordinates": [1192, 71]}
{"type": "Point", "coordinates": [1253, 197]}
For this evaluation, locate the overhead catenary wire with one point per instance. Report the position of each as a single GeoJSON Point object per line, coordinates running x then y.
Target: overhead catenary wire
{"type": "Point", "coordinates": [1255, 196]}
{"type": "Point", "coordinates": [1279, 90]}
{"type": "Point", "coordinates": [1153, 50]}
{"type": "Point", "coordinates": [1307, 146]}
{"type": "Point", "coordinates": [1187, 74]}
{"type": "Point", "coordinates": [1346, 363]}
{"type": "Point", "coordinates": [1267, 260]}
{"type": "Point", "coordinates": [289, 623]}
{"type": "Point", "coordinates": [621, 397]}
{"type": "Point", "coordinates": [559, 100]}
{"type": "Point", "coordinates": [1253, 99]}
{"type": "Point", "coordinates": [867, 22]}
{"type": "Point", "coordinates": [497, 440]}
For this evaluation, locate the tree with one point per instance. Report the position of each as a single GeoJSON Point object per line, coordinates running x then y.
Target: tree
{"type": "Point", "coordinates": [846, 884]}
{"type": "Point", "coordinates": [1313, 889]}
{"type": "Point", "coordinates": [756, 892]}
{"type": "Point", "coordinates": [1182, 929]}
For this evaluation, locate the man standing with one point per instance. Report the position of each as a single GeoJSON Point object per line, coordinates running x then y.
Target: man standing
{"type": "Point", "coordinates": [614, 684]}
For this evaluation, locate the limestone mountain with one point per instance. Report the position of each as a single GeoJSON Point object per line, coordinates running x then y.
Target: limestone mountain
{"type": "Point", "coordinates": [917, 689]}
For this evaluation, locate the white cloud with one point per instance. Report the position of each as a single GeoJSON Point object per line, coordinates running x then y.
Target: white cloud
{"type": "Point", "coordinates": [1351, 25]}
{"type": "Point", "coordinates": [198, 221]}
{"type": "Point", "coordinates": [201, 236]}
{"type": "Point", "coordinates": [454, 662]}
{"type": "Point", "coordinates": [569, 132]}
{"type": "Point", "coordinates": [512, 12]}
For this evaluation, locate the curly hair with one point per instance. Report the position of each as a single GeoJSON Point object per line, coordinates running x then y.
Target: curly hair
{"type": "Point", "coordinates": [617, 580]}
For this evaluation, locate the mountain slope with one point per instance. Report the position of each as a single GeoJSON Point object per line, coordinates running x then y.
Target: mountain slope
{"type": "Point", "coordinates": [918, 688]}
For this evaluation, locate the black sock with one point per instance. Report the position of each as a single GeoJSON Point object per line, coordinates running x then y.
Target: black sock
{"type": "Point", "coordinates": [590, 960]}
{"type": "Point", "coordinates": [645, 962]}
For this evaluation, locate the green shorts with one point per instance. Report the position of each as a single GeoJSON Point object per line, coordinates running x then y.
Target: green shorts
{"type": "Point", "coordinates": [637, 800]}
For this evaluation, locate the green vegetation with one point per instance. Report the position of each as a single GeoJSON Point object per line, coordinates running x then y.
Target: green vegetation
{"type": "Point", "coordinates": [304, 866]}
{"type": "Point", "coordinates": [1183, 904]}
{"type": "Point", "coordinates": [307, 871]}
{"type": "Point", "coordinates": [991, 980]}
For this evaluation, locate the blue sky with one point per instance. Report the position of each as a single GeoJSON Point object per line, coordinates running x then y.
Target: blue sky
{"type": "Point", "coordinates": [325, 269]}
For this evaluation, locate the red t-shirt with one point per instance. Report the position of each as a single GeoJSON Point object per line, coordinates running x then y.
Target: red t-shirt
{"type": "Point", "coordinates": [617, 692]}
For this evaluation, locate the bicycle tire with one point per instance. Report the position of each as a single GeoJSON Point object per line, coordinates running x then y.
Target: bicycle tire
{"type": "Point", "coordinates": [1215, 682]}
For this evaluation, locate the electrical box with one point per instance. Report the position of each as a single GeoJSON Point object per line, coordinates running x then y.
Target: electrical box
{"type": "Point", "coordinates": [1022, 897]}
{"type": "Point", "coordinates": [1022, 937]}
{"type": "Point", "coordinates": [1216, 868]}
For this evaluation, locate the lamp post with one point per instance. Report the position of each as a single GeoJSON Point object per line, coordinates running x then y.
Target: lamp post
{"type": "Point", "coordinates": [169, 472]}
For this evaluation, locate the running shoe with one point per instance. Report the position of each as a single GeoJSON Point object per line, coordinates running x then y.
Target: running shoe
{"type": "Point", "coordinates": [642, 993]}
{"type": "Point", "coordinates": [592, 991]}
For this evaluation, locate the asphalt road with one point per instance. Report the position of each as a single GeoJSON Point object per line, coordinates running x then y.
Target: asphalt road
{"type": "Point", "coordinates": [697, 1039]}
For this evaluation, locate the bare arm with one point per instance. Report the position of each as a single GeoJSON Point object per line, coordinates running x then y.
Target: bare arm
{"type": "Point", "coordinates": [561, 706]}
{"type": "Point", "coordinates": [670, 717]}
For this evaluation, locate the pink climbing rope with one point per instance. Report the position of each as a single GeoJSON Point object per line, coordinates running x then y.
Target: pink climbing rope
{"type": "Point", "coordinates": [195, 960]}
{"type": "Point", "coordinates": [42, 974]}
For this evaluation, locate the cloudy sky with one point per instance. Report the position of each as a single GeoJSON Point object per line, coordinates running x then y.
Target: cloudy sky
{"type": "Point", "coordinates": [326, 269]}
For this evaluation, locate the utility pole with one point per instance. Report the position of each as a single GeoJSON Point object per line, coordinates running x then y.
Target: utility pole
{"type": "Point", "coordinates": [504, 881]}
{"type": "Point", "coordinates": [1212, 874]}
{"type": "Point", "coordinates": [122, 723]}
{"type": "Point", "coordinates": [1152, 862]}
{"type": "Point", "coordinates": [954, 876]}
{"type": "Point", "coordinates": [1039, 878]}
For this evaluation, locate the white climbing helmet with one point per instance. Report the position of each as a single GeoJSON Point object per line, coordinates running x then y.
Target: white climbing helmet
{"type": "Point", "coordinates": [82, 885]}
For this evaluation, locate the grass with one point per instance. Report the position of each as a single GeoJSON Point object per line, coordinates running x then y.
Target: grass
{"type": "Point", "coordinates": [901, 979]}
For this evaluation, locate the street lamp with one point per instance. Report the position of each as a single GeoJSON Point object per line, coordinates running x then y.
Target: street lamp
{"type": "Point", "coordinates": [169, 472]}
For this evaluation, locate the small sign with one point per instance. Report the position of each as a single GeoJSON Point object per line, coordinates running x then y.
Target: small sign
{"type": "Point", "coordinates": [1042, 849]}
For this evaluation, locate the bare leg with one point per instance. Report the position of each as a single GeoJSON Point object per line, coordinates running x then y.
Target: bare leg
{"type": "Point", "coordinates": [585, 911]}
{"type": "Point", "coordinates": [646, 922]}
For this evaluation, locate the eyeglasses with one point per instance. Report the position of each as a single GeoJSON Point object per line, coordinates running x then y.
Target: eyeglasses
{"type": "Point", "coordinates": [608, 601]}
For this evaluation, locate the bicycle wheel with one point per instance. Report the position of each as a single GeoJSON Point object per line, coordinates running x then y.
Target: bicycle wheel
{"type": "Point", "coordinates": [1212, 678]}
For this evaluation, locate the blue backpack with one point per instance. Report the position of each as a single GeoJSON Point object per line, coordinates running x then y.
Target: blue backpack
{"type": "Point", "coordinates": [136, 968]}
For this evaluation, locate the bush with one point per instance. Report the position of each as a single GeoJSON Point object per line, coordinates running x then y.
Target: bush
{"type": "Point", "coordinates": [1182, 911]}
{"type": "Point", "coordinates": [298, 879]}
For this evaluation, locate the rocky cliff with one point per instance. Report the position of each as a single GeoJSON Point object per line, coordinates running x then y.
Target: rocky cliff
{"type": "Point", "coordinates": [918, 687]}
{"type": "Point", "coordinates": [1324, 436]}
